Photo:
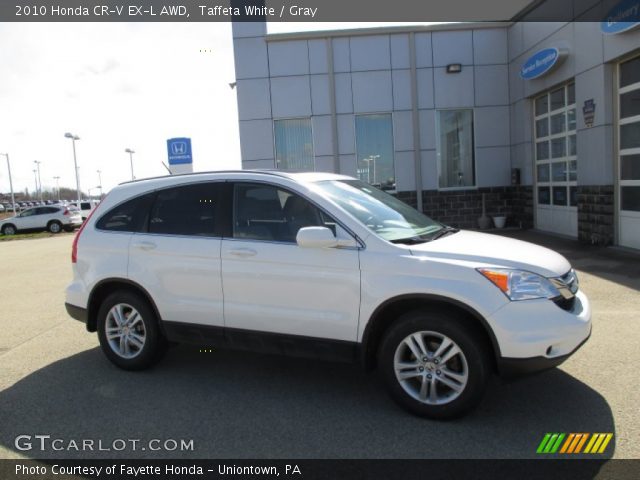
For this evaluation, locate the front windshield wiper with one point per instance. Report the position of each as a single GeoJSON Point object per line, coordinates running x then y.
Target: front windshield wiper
{"type": "Point", "coordinates": [409, 240]}
{"type": "Point", "coordinates": [445, 230]}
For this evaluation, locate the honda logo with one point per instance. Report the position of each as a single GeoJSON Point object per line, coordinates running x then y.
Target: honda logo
{"type": "Point", "coordinates": [179, 148]}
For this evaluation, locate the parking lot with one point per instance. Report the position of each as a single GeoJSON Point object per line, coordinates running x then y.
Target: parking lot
{"type": "Point", "coordinates": [55, 381]}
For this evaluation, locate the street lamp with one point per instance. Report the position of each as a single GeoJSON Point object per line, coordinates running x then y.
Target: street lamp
{"type": "Point", "coordinates": [57, 179]}
{"type": "Point", "coordinates": [100, 182]}
{"type": "Point", "coordinates": [35, 176]}
{"type": "Point", "coordinates": [13, 200]}
{"type": "Point", "coordinates": [131, 152]}
{"type": "Point", "coordinates": [75, 161]}
{"type": "Point", "coordinates": [39, 179]}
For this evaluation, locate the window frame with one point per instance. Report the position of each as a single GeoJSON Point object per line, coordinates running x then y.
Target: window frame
{"type": "Point", "coordinates": [474, 150]}
{"type": "Point", "coordinates": [275, 148]}
{"type": "Point", "coordinates": [567, 159]}
{"type": "Point", "coordinates": [393, 145]}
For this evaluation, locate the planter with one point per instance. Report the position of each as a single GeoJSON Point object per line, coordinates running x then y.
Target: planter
{"type": "Point", "coordinates": [499, 221]}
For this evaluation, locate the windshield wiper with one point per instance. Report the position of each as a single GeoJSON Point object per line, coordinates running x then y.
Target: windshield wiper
{"type": "Point", "coordinates": [445, 230]}
{"type": "Point", "coordinates": [409, 240]}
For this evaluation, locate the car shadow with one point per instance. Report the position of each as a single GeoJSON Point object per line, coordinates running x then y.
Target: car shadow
{"type": "Point", "coordinates": [246, 405]}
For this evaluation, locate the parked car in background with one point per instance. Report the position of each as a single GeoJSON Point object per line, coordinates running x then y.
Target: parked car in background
{"type": "Point", "coordinates": [85, 207]}
{"type": "Point", "coordinates": [325, 266]}
{"type": "Point", "coordinates": [54, 219]}
{"type": "Point", "coordinates": [2, 209]}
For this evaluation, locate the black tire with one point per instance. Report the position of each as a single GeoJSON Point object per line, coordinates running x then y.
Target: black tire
{"type": "Point", "coordinates": [154, 345]}
{"type": "Point", "coordinates": [6, 229]}
{"type": "Point", "coordinates": [474, 362]}
{"type": "Point", "coordinates": [54, 226]}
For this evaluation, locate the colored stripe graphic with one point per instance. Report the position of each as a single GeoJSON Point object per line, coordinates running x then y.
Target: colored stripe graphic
{"type": "Point", "coordinates": [573, 443]}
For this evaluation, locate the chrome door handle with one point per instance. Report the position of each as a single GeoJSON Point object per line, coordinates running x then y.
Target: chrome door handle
{"type": "Point", "coordinates": [243, 252]}
{"type": "Point", "coordinates": [145, 245]}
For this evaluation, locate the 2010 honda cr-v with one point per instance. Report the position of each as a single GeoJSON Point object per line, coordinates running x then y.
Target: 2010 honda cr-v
{"type": "Point", "coordinates": [325, 266]}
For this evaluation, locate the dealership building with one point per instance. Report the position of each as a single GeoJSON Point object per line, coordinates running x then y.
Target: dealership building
{"type": "Point", "coordinates": [542, 119]}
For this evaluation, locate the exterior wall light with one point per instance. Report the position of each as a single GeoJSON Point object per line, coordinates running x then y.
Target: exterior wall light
{"type": "Point", "coordinates": [454, 68]}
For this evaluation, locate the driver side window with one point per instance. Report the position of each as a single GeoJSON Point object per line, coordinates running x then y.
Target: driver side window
{"type": "Point", "coordinates": [266, 212]}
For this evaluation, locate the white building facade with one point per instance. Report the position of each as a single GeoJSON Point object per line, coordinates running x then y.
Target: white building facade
{"type": "Point", "coordinates": [443, 115]}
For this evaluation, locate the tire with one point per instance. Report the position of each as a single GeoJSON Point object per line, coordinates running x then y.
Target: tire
{"type": "Point", "coordinates": [54, 227]}
{"type": "Point", "coordinates": [143, 345]}
{"type": "Point", "coordinates": [449, 392]}
{"type": "Point", "coordinates": [9, 229]}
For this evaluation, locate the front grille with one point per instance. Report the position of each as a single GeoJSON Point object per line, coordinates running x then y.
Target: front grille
{"type": "Point", "coordinates": [567, 285]}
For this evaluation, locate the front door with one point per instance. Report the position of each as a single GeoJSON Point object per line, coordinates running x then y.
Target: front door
{"type": "Point", "coordinates": [273, 285]}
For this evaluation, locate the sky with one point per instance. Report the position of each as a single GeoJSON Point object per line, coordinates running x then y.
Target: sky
{"type": "Point", "coordinates": [117, 86]}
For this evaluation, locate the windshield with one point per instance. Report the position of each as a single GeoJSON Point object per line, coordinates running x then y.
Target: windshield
{"type": "Point", "coordinates": [382, 213]}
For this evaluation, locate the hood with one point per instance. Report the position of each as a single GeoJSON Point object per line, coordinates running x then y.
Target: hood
{"type": "Point", "coordinates": [495, 250]}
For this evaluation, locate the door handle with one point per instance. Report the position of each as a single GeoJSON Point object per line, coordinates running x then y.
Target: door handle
{"type": "Point", "coordinates": [243, 252]}
{"type": "Point", "coordinates": [145, 245]}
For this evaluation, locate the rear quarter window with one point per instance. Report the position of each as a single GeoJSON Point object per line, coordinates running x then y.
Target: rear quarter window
{"type": "Point", "coordinates": [130, 216]}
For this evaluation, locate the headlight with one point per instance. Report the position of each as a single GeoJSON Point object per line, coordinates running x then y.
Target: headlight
{"type": "Point", "coordinates": [520, 284]}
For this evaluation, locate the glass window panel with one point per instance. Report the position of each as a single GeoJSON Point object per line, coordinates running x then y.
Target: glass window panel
{"type": "Point", "coordinates": [559, 171]}
{"type": "Point", "coordinates": [571, 119]}
{"type": "Point", "coordinates": [630, 135]}
{"type": "Point", "coordinates": [455, 148]}
{"type": "Point", "coordinates": [572, 145]}
{"type": "Point", "coordinates": [543, 172]}
{"type": "Point", "coordinates": [294, 144]}
{"type": "Point", "coordinates": [544, 195]}
{"type": "Point", "coordinates": [542, 150]}
{"type": "Point", "coordinates": [630, 104]}
{"type": "Point", "coordinates": [557, 99]}
{"type": "Point", "coordinates": [542, 127]}
{"type": "Point", "coordinates": [630, 167]}
{"type": "Point", "coordinates": [541, 105]}
{"type": "Point", "coordinates": [187, 210]}
{"type": "Point", "coordinates": [374, 144]}
{"type": "Point", "coordinates": [265, 212]}
{"type": "Point", "coordinates": [630, 198]}
{"type": "Point", "coordinates": [573, 196]}
{"type": "Point", "coordinates": [573, 171]}
{"type": "Point", "coordinates": [558, 147]}
{"type": "Point", "coordinates": [559, 195]}
{"type": "Point", "coordinates": [557, 123]}
{"type": "Point", "coordinates": [630, 72]}
{"type": "Point", "coordinates": [129, 216]}
{"type": "Point", "coordinates": [571, 93]}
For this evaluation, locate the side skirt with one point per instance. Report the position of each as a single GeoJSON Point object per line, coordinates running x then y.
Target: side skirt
{"type": "Point", "coordinates": [263, 342]}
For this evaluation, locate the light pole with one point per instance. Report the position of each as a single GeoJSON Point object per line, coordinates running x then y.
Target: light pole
{"type": "Point", "coordinates": [100, 182]}
{"type": "Point", "coordinates": [57, 179]}
{"type": "Point", "coordinates": [35, 177]}
{"type": "Point", "coordinates": [13, 200]}
{"type": "Point", "coordinates": [39, 179]}
{"type": "Point", "coordinates": [75, 162]}
{"type": "Point", "coordinates": [131, 152]}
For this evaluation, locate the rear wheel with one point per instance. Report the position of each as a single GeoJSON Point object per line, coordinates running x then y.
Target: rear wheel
{"type": "Point", "coordinates": [54, 227]}
{"type": "Point", "coordinates": [433, 366]}
{"type": "Point", "coordinates": [128, 331]}
{"type": "Point", "coordinates": [9, 230]}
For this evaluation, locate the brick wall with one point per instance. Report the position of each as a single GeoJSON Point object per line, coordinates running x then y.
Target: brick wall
{"type": "Point", "coordinates": [462, 208]}
{"type": "Point", "coordinates": [595, 214]}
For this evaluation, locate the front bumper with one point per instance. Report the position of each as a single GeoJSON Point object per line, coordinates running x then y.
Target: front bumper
{"type": "Point", "coordinates": [537, 335]}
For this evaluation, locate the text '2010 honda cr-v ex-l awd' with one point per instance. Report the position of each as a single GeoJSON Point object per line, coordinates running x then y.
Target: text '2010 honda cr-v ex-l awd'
{"type": "Point", "coordinates": [324, 266]}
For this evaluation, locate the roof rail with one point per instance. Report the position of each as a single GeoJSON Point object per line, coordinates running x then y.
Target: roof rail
{"type": "Point", "coordinates": [277, 173]}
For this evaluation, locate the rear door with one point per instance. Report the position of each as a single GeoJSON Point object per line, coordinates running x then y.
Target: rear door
{"type": "Point", "coordinates": [273, 285]}
{"type": "Point", "coordinates": [177, 258]}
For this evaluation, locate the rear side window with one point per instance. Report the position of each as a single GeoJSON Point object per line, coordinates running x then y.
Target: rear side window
{"type": "Point", "coordinates": [188, 210]}
{"type": "Point", "coordinates": [130, 216]}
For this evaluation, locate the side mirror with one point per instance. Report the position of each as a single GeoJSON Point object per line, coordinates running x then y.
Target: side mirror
{"type": "Point", "coordinates": [316, 237]}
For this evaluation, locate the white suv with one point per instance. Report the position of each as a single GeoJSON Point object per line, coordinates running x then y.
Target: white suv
{"type": "Point", "coordinates": [325, 266]}
{"type": "Point", "coordinates": [52, 218]}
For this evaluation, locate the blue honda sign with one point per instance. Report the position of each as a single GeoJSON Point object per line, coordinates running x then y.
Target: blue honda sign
{"type": "Point", "coordinates": [540, 63]}
{"type": "Point", "coordinates": [621, 18]}
{"type": "Point", "coordinates": [179, 150]}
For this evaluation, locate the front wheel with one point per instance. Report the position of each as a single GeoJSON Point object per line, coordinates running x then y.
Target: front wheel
{"type": "Point", "coordinates": [54, 227]}
{"type": "Point", "coordinates": [433, 366]}
{"type": "Point", "coordinates": [128, 331]}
